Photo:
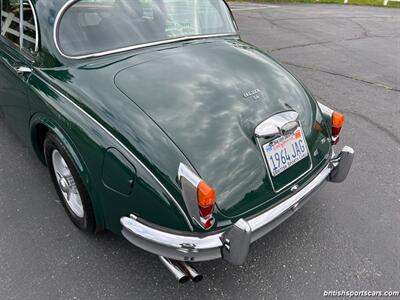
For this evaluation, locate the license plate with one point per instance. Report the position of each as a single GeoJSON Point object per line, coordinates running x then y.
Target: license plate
{"type": "Point", "coordinates": [285, 151]}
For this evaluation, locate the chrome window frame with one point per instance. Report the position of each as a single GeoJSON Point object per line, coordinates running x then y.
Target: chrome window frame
{"type": "Point", "coordinates": [1, 18]}
{"type": "Point", "coordinates": [36, 25]}
{"type": "Point", "coordinates": [68, 4]}
{"type": "Point", "coordinates": [21, 24]}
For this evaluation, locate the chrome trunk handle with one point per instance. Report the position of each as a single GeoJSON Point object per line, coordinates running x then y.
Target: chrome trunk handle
{"type": "Point", "coordinates": [280, 123]}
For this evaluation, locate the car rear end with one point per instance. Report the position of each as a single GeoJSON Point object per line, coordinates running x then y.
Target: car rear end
{"type": "Point", "coordinates": [232, 242]}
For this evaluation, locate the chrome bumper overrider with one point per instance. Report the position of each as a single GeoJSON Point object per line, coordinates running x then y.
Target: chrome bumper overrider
{"type": "Point", "coordinates": [232, 244]}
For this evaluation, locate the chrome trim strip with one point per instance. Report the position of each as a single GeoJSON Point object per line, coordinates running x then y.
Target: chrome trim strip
{"type": "Point", "coordinates": [129, 152]}
{"type": "Point", "coordinates": [325, 109]}
{"type": "Point", "coordinates": [145, 45]}
{"type": "Point", "coordinates": [21, 24]}
{"type": "Point", "coordinates": [189, 182]}
{"type": "Point", "coordinates": [186, 172]}
{"type": "Point", "coordinates": [36, 26]}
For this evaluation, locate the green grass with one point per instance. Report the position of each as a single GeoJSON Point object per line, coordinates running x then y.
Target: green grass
{"type": "Point", "coordinates": [351, 2]}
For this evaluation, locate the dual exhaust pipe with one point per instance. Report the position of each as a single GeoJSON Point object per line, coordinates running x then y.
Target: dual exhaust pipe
{"type": "Point", "coordinates": [182, 271]}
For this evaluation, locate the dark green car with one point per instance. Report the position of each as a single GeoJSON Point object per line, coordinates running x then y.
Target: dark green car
{"type": "Point", "coordinates": [157, 121]}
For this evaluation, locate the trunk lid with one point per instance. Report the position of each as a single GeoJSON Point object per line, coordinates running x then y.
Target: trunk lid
{"type": "Point", "coordinates": [209, 98]}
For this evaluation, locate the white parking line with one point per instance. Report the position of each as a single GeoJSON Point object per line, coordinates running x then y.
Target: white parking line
{"type": "Point", "coordinates": [238, 8]}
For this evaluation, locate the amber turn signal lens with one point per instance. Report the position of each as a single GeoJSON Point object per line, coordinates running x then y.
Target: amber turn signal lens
{"type": "Point", "coordinates": [337, 120]}
{"type": "Point", "coordinates": [205, 194]}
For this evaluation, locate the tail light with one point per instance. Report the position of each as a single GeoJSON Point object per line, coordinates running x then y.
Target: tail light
{"type": "Point", "coordinates": [206, 201]}
{"type": "Point", "coordinates": [199, 197]}
{"type": "Point", "coordinates": [337, 121]}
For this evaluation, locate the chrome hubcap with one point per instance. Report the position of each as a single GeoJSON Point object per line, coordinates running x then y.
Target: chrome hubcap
{"type": "Point", "coordinates": [64, 185]}
{"type": "Point", "coordinates": [67, 184]}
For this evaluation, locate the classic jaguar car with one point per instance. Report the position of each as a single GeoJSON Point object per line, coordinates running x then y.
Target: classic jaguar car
{"type": "Point", "coordinates": [157, 122]}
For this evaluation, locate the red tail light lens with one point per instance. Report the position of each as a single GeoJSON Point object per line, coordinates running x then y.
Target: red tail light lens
{"type": "Point", "coordinates": [337, 121]}
{"type": "Point", "coordinates": [206, 201]}
{"type": "Point", "coordinates": [206, 211]}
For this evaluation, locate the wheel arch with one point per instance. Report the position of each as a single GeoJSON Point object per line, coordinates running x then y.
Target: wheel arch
{"type": "Point", "coordinates": [40, 124]}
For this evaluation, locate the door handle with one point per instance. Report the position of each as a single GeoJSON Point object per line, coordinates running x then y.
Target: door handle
{"type": "Point", "coordinates": [18, 68]}
{"type": "Point", "coordinates": [22, 70]}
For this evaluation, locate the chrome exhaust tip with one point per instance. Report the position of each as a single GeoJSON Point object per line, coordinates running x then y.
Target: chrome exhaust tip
{"type": "Point", "coordinates": [182, 271]}
{"type": "Point", "coordinates": [191, 271]}
{"type": "Point", "coordinates": [178, 273]}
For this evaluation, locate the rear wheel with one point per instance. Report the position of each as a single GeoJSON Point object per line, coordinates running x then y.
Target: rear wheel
{"type": "Point", "coordinates": [68, 183]}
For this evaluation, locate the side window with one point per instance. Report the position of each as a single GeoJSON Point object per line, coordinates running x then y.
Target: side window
{"type": "Point", "coordinates": [10, 14]}
{"type": "Point", "coordinates": [11, 27]}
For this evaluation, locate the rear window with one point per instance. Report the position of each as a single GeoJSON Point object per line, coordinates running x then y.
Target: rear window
{"type": "Point", "coordinates": [94, 26]}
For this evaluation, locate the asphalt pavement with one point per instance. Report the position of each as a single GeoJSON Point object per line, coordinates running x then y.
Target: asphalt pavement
{"type": "Point", "coordinates": [347, 238]}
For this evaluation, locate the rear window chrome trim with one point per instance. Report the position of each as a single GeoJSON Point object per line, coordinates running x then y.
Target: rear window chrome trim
{"type": "Point", "coordinates": [133, 47]}
{"type": "Point", "coordinates": [35, 19]}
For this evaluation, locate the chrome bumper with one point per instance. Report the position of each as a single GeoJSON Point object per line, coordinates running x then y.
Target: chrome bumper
{"type": "Point", "coordinates": [232, 244]}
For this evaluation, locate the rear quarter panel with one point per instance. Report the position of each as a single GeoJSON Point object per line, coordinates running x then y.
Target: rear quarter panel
{"type": "Point", "coordinates": [87, 142]}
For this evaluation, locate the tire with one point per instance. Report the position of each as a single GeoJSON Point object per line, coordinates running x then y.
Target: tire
{"type": "Point", "coordinates": [68, 183]}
